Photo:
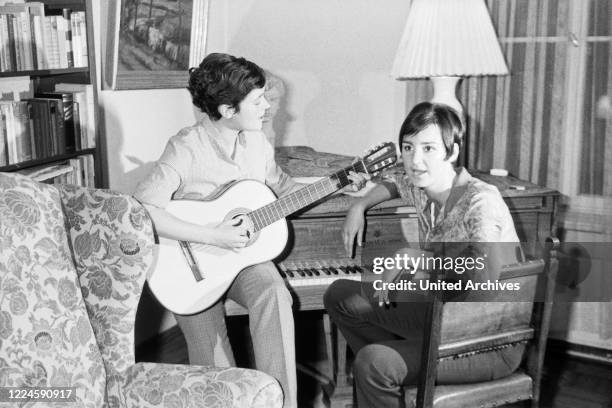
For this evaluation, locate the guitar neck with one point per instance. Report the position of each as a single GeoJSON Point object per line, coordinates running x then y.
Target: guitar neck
{"type": "Point", "coordinates": [303, 197]}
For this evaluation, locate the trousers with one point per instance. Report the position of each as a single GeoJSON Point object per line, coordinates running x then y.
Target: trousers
{"type": "Point", "coordinates": [387, 346]}
{"type": "Point", "coordinates": [261, 290]}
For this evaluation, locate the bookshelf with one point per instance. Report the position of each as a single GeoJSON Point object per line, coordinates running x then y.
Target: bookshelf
{"type": "Point", "coordinates": [48, 88]}
{"type": "Point", "coordinates": [45, 72]}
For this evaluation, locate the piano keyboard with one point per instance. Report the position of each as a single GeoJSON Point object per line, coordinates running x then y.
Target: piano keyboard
{"type": "Point", "coordinates": [314, 273]}
{"type": "Point", "coordinates": [307, 281]}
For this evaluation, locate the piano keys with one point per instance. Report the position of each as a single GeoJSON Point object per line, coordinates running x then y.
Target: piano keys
{"type": "Point", "coordinates": [315, 255]}
{"type": "Point", "coordinates": [316, 273]}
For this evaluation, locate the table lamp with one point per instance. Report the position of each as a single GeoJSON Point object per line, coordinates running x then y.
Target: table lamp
{"type": "Point", "coordinates": [445, 40]}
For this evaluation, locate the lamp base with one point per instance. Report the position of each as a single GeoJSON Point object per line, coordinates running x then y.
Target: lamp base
{"type": "Point", "coordinates": [445, 92]}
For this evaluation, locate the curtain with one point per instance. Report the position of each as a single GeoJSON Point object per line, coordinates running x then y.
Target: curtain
{"type": "Point", "coordinates": [515, 122]}
{"type": "Point", "coordinates": [596, 155]}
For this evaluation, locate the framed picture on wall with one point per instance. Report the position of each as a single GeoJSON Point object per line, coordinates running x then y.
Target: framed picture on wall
{"type": "Point", "coordinates": [152, 43]}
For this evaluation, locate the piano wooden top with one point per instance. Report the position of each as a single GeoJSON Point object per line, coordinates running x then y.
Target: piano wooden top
{"type": "Point", "coordinates": [304, 161]}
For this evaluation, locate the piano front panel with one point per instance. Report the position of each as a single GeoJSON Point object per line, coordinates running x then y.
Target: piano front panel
{"type": "Point", "coordinates": [320, 239]}
{"type": "Point", "coordinates": [315, 256]}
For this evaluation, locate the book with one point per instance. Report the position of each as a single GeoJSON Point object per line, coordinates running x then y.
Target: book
{"type": "Point", "coordinates": [8, 115]}
{"type": "Point", "coordinates": [3, 141]}
{"type": "Point", "coordinates": [66, 12]}
{"type": "Point", "coordinates": [62, 41]}
{"type": "Point", "coordinates": [5, 53]}
{"type": "Point", "coordinates": [47, 172]}
{"type": "Point", "coordinates": [17, 131]}
{"type": "Point", "coordinates": [12, 48]}
{"type": "Point", "coordinates": [76, 115]}
{"type": "Point", "coordinates": [30, 113]}
{"type": "Point", "coordinates": [25, 41]}
{"type": "Point", "coordinates": [21, 125]}
{"type": "Point", "coordinates": [54, 123]}
{"type": "Point", "coordinates": [16, 88]}
{"type": "Point", "coordinates": [78, 171]}
{"type": "Point", "coordinates": [37, 13]}
{"type": "Point", "coordinates": [79, 38]}
{"type": "Point", "coordinates": [20, 22]}
{"type": "Point", "coordinates": [91, 171]}
{"type": "Point", "coordinates": [52, 54]}
{"type": "Point", "coordinates": [81, 24]}
{"type": "Point", "coordinates": [41, 120]}
{"type": "Point", "coordinates": [66, 106]}
{"type": "Point", "coordinates": [84, 96]}
{"type": "Point", "coordinates": [76, 40]}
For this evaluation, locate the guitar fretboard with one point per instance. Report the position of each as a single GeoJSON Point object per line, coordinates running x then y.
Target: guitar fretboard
{"type": "Point", "coordinates": [297, 200]}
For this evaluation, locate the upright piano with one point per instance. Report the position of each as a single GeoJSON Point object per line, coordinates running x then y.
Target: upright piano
{"type": "Point", "coordinates": [315, 256]}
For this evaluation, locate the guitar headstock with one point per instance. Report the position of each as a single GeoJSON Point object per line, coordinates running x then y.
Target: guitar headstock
{"type": "Point", "coordinates": [379, 157]}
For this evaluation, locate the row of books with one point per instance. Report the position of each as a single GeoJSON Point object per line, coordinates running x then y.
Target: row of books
{"type": "Point", "coordinates": [79, 171]}
{"type": "Point", "coordinates": [48, 124]}
{"type": "Point", "coordinates": [34, 38]}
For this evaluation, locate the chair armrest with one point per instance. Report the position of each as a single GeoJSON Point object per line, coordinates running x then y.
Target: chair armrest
{"type": "Point", "coordinates": [154, 385]}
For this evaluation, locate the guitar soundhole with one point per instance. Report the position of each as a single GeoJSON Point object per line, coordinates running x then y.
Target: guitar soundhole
{"type": "Point", "coordinates": [237, 212]}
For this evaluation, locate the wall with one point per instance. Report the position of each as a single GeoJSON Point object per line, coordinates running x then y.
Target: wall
{"type": "Point", "coordinates": [335, 57]}
{"type": "Point", "coordinates": [577, 315]}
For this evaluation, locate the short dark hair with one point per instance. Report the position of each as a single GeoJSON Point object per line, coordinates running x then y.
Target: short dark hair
{"type": "Point", "coordinates": [443, 116]}
{"type": "Point", "coordinates": [222, 79]}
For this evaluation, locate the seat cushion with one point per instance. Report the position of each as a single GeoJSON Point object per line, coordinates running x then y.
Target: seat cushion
{"type": "Point", "coordinates": [516, 387]}
{"type": "Point", "coordinates": [172, 385]}
{"type": "Point", "coordinates": [45, 335]}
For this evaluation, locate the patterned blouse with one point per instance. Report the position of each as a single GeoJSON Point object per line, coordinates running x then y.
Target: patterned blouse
{"type": "Point", "coordinates": [474, 212]}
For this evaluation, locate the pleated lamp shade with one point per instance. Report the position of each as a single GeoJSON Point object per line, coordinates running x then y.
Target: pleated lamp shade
{"type": "Point", "coordinates": [448, 38]}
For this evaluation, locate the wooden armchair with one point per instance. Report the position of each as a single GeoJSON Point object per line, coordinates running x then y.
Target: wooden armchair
{"type": "Point", "coordinates": [505, 322]}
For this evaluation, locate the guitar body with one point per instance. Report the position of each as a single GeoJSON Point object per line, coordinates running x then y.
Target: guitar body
{"type": "Point", "coordinates": [173, 282]}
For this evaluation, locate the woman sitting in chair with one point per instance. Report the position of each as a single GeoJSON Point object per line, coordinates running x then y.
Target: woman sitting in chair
{"type": "Point", "coordinates": [452, 206]}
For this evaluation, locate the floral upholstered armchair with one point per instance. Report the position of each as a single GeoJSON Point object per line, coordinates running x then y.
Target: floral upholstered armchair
{"type": "Point", "coordinates": [73, 262]}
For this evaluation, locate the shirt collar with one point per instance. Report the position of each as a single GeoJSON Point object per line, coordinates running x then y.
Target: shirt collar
{"type": "Point", "coordinates": [460, 185]}
{"type": "Point", "coordinates": [223, 144]}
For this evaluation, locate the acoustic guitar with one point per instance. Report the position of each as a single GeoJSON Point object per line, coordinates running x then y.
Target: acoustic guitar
{"type": "Point", "coordinates": [190, 277]}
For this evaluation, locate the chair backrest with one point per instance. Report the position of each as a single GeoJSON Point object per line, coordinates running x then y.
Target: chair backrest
{"type": "Point", "coordinates": [46, 338]}
{"type": "Point", "coordinates": [112, 239]}
{"type": "Point", "coordinates": [510, 318]}
{"type": "Point", "coordinates": [507, 317]}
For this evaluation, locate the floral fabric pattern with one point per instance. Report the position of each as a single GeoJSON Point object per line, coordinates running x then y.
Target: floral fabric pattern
{"type": "Point", "coordinates": [474, 212]}
{"type": "Point", "coordinates": [73, 262]}
{"type": "Point", "coordinates": [175, 386]}
{"type": "Point", "coordinates": [45, 335]}
{"type": "Point", "coordinates": [112, 257]}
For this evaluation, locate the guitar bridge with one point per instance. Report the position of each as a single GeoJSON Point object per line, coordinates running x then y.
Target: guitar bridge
{"type": "Point", "coordinates": [191, 260]}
